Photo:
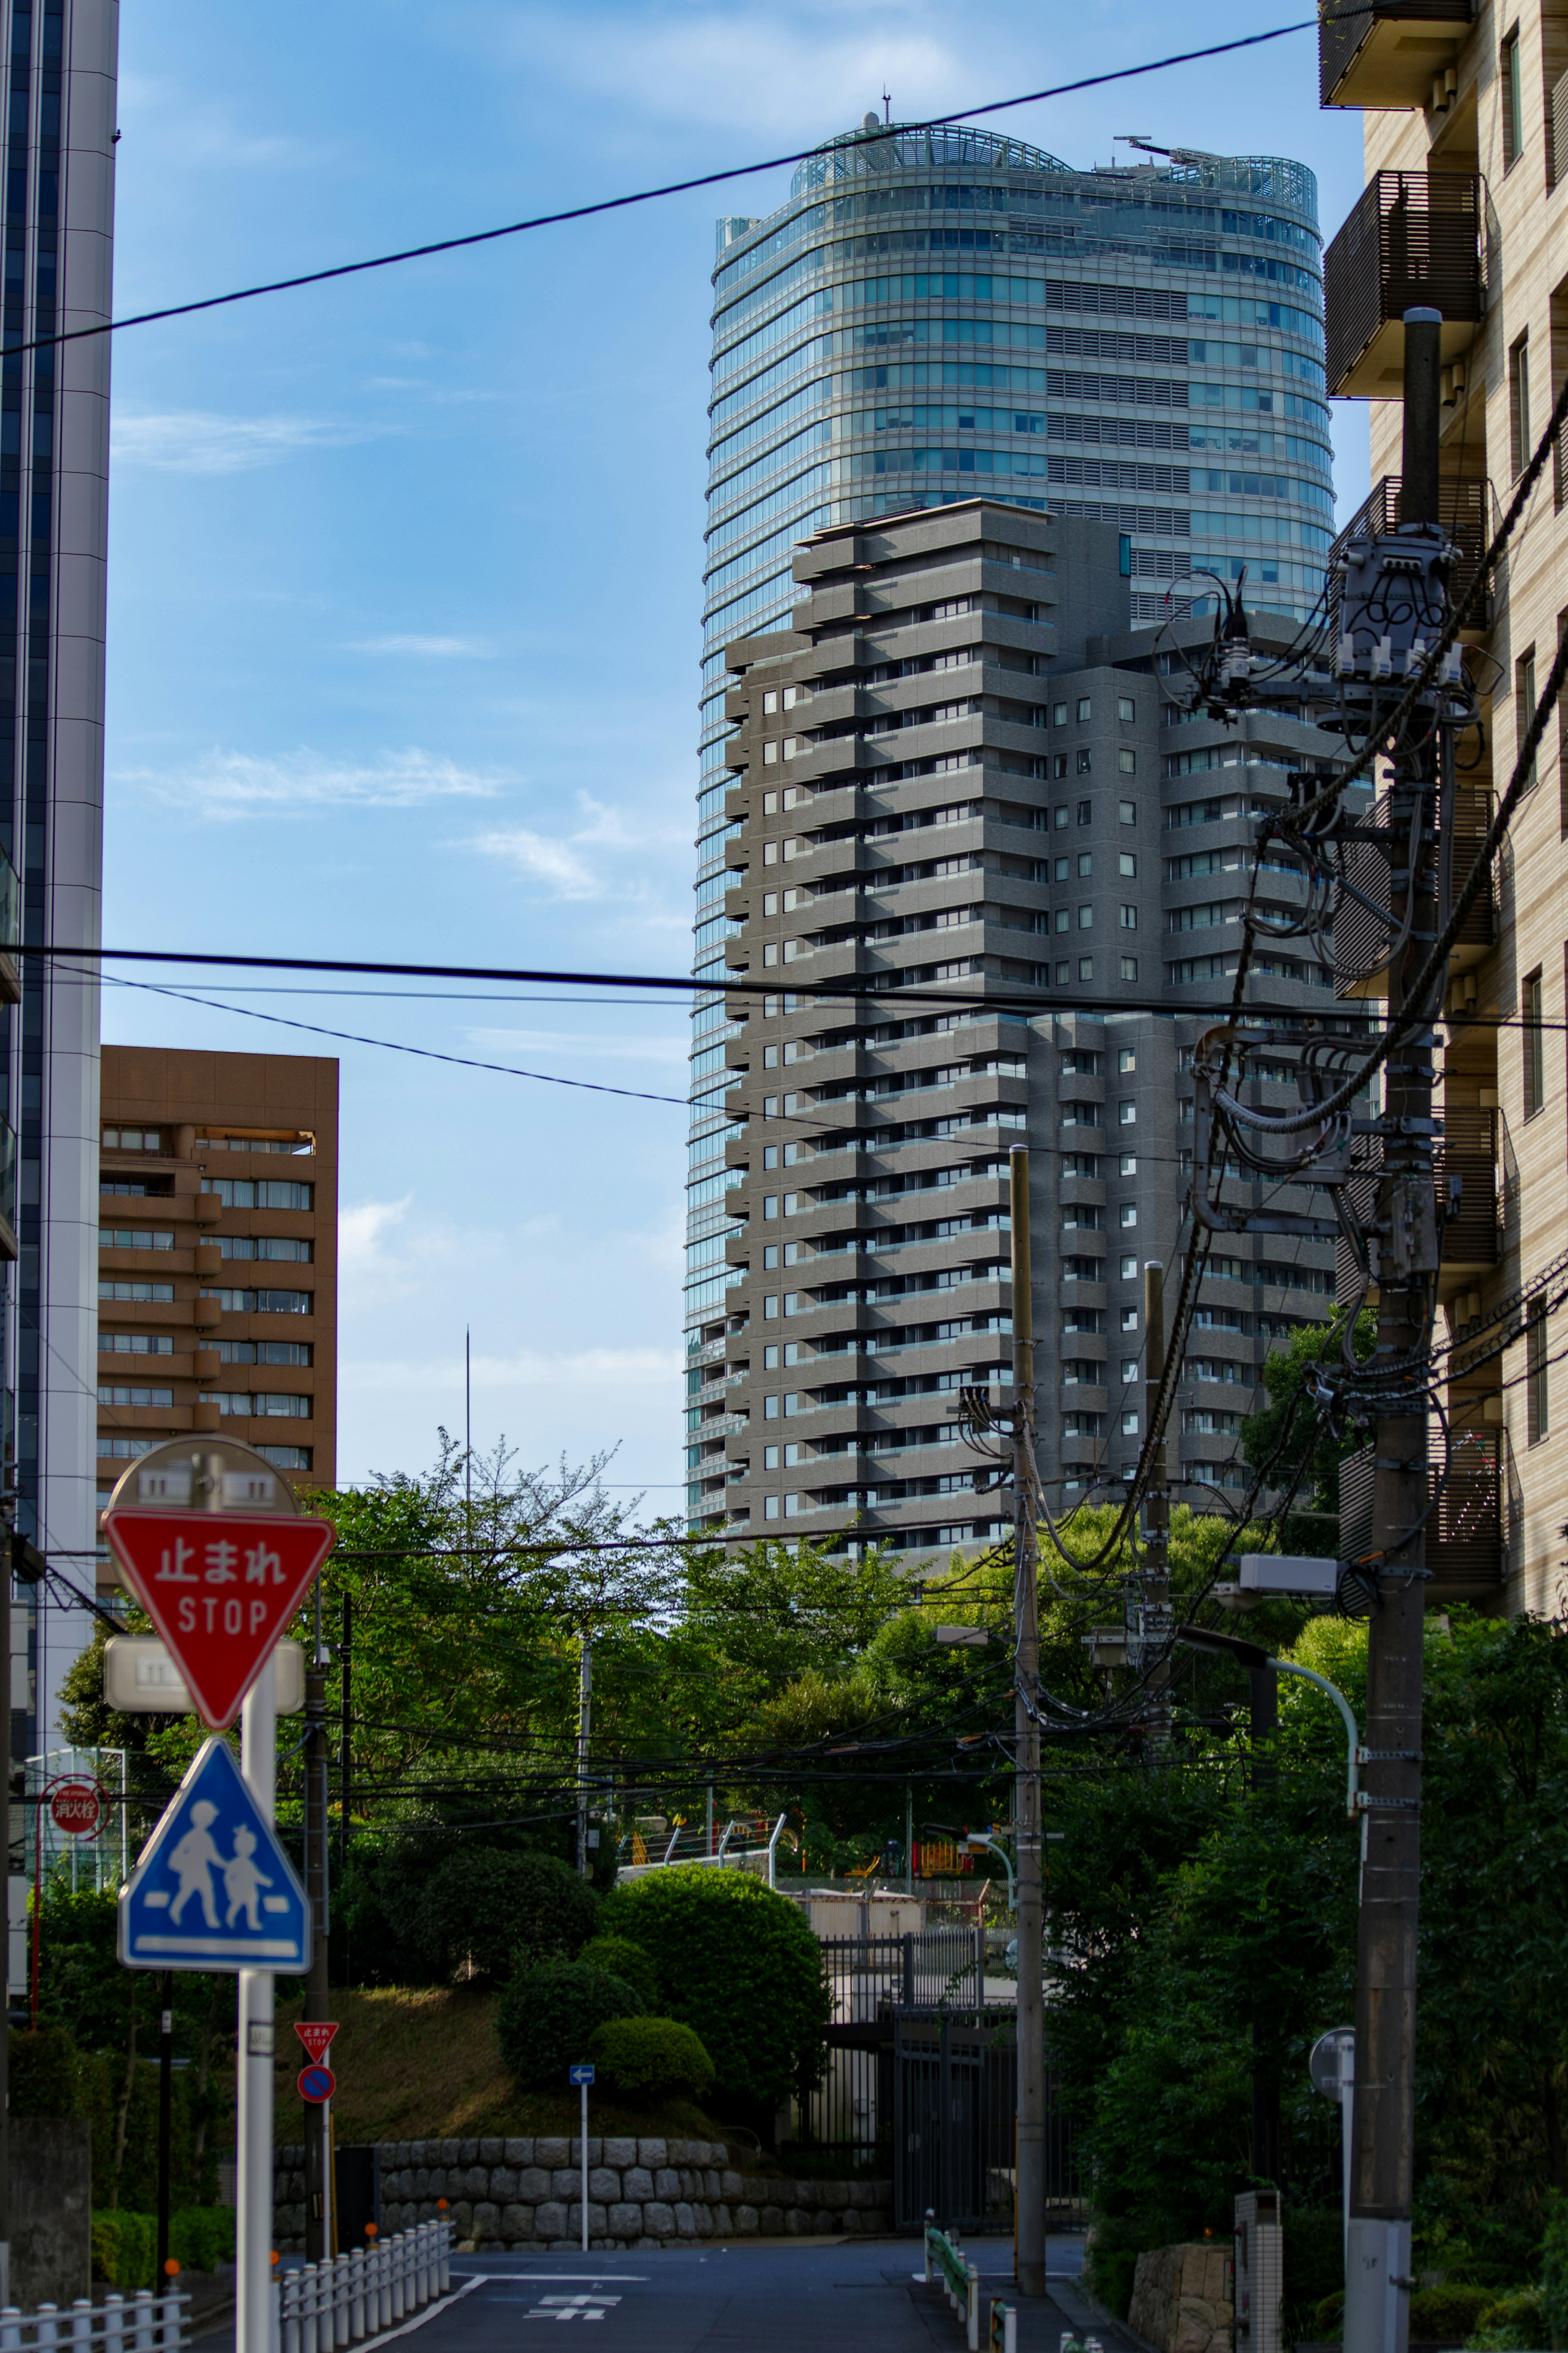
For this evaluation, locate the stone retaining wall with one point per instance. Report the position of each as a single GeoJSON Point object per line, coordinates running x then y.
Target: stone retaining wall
{"type": "Point", "coordinates": [641, 2193]}
{"type": "Point", "coordinates": [1181, 2298]}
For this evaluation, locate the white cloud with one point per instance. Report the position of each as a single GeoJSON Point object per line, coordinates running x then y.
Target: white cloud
{"type": "Point", "coordinates": [430, 649]}
{"type": "Point", "coordinates": [688, 69]}
{"type": "Point", "coordinates": [360, 1232]}
{"type": "Point", "coordinates": [194, 441]}
{"type": "Point", "coordinates": [245, 783]}
{"type": "Point", "coordinates": [568, 862]}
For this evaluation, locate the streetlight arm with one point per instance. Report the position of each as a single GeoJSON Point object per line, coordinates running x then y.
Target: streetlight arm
{"type": "Point", "coordinates": [1352, 1730]}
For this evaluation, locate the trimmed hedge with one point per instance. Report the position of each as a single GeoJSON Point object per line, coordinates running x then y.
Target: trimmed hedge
{"type": "Point", "coordinates": [739, 1964]}
{"type": "Point", "coordinates": [626, 1961]}
{"type": "Point", "coordinates": [547, 2017]}
{"type": "Point", "coordinates": [651, 2054]}
{"type": "Point", "coordinates": [499, 1910]}
{"type": "Point", "coordinates": [125, 2246]}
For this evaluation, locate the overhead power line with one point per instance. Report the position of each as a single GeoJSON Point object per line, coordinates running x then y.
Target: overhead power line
{"type": "Point", "coordinates": [652, 196]}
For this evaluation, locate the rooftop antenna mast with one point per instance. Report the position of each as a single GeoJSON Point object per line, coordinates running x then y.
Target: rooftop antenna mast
{"type": "Point", "coordinates": [887, 107]}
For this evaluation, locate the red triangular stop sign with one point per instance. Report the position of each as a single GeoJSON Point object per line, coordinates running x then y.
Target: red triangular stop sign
{"type": "Point", "coordinates": [220, 1586]}
{"type": "Point", "coordinates": [316, 2035]}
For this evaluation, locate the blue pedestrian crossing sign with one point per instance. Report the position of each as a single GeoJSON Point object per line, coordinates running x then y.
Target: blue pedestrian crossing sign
{"type": "Point", "coordinates": [213, 1889]}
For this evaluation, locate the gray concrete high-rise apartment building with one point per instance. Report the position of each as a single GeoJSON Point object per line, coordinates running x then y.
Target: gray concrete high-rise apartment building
{"type": "Point", "coordinates": [936, 315]}
{"type": "Point", "coordinates": [59, 197]}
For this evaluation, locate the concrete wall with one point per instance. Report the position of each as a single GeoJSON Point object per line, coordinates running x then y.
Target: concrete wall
{"type": "Point", "coordinates": [52, 2209]}
{"type": "Point", "coordinates": [641, 2193]}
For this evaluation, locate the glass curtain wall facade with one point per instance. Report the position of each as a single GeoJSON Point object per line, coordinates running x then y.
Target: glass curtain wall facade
{"type": "Point", "coordinates": [61, 60]}
{"type": "Point", "coordinates": [938, 315]}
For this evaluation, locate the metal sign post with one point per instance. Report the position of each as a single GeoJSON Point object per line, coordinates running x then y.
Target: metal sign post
{"type": "Point", "coordinates": [210, 1540]}
{"type": "Point", "coordinates": [583, 2076]}
{"type": "Point", "coordinates": [1332, 2070]}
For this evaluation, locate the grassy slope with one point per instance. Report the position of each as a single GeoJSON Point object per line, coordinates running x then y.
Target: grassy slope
{"type": "Point", "coordinates": [421, 2064]}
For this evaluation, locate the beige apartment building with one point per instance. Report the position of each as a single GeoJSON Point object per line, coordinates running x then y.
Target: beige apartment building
{"type": "Point", "coordinates": [1466, 118]}
{"type": "Point", "coordinates": [217, 1256]}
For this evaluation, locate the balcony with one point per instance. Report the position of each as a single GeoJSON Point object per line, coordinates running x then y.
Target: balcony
{"type": "Point", "coordinates": [1464, 1545]}
{"type": "Point", "coordinates": [1387, 55]}
{"type": "Point", "coordinates": [1363, 939]}
{"type": "Point", "coordinates": [1468, 511]}
{"type": "Point", "coordinates": [1412, 238]}
{"type": "Point", "coordinates": [1472, 1235]}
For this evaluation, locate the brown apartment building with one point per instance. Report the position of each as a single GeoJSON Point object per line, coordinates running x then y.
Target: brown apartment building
{"type": "Point", "coordinates": [1467, 154]}
{"type": "Point", "coordinates": [217, 1256]}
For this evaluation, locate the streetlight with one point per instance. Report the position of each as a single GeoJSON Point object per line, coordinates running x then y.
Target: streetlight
{"type": "Point", "coordinates": [1254, 1656]}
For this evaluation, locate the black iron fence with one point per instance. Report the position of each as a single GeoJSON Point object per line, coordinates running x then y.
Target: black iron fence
{"type": "Point", "coordinates": [920, 2081]}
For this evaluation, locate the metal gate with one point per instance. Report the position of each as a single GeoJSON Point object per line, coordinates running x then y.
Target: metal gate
{"type": "Point", "coordinates": [955, 2086]}
{"type": "Point", "coordinates": [849, 2109]}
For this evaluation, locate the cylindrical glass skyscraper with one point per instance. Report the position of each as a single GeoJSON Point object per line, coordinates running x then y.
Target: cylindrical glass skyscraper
{"type": "Point", "coordinates": [938, 314]}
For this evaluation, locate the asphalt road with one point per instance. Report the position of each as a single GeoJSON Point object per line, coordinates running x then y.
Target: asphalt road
{"type": "Point", "coordinates": [866, 2298]}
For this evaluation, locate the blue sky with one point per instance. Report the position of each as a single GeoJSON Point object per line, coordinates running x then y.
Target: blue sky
{"type": "Point", "coordinates": [404, 590]}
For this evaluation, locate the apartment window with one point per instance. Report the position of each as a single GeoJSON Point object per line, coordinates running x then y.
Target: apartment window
{"type": "Point", "coordinates": [1130, 1319]}
{"type": "Point", "coordinates": [1059, 769]}
{"type": "Point", "coordinates": [1063, 870]}
{"type": "Point", "coordinates": [1064, 919]}
{"type": "Point", "coordinates": [1085, 812]}
{"type": "Point", "coordinates": [771, 701]}
{"type": "Point", "coordinates": [770, 1156]}
{"type": "Point", "coordinates": [1085, 864]}
{"type": "Point", "coordinates": [1128, 1424]}
{"type": "Point", "coordinates": [771, 1255]}
{"type": "Point", "coordinates": [1086, 919]}
{"type": "Point", "coordinates": [1130, 1213]}
{"type": "Point", "coordinates": [1127, 762]}
{"type": "Point", "coordinates": [1534, 1045]}
{"type": "Point", "coordinates": [1127, 1113]}
{"type": "Point", "coordinates": [1538, 1419]}
{"type": "Point", "coordinates": [1128, 917]}
{"type": "Point", "coordinates": [770, 1409]}
{"type": "Point", "coordinates": [1059, 814]}
{"type": "Point", "coordinates": [1085, 707]}
{"type": "Point", "coordinates": [1058, 714]}
{"type": "Point", "coordinates": [1128, 1266]}
{"type": "Point", "coordinates": [133, 1139]}
{"type": "Point", "coordinates": [770, 1360]}
{"type": "Point", "coordinates": [1129, 967]}
{"type": "Point", "coordinates": [769, 1205]}
{"type": "Point", "coordinates": [1084, 760]}
{"type": "Point", "coordinates": [1127, 863]}
{"type": "Point", "coordinates": [1127, 812]}
{"type": "Point", "coordinates": [1127, 1060]}
{"type": "Point", "coordinates": [1519, 404]}
{"type": "Point", "coordinates": [1064, 974]}
{"type": "Point", "coordinates": [1126, 708]}
{"type": "Point", "coordinates": [1524, 708]}
{"type": "Point", "coordinates": [1512, 95]}
{"type": "Point", "coordinates": [1086, 968]}
{"type": "Point", "coordinates": [770, 1507]}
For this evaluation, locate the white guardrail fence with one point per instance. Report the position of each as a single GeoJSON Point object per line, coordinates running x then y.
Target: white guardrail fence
{"type": "Point", "coordinates": [144, 2324]}
{"type": "Point", "coordinates": [321, 2306]}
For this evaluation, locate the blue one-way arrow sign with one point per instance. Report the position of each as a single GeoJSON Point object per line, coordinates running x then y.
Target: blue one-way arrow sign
{"type": "Point", "coordinates": [213, 1890]}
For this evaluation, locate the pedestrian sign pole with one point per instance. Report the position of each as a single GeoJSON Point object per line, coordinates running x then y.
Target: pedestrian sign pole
{"type": "Point", "coordinates": [253, 2234]}
{"type": "Point", "coordinates": [582, 2075]}
{"type": "Point", "coordinates": [210, 1540]}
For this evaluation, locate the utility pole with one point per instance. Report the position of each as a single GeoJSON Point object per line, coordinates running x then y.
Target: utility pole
{"type": "Point", "coordinates": [318, 2185]}
{"type": "Point", "coordinates": [1031, 2158]}
{"type": "Point", "coordinates": [585, 1709]}
{"type": "Point", "coordinates": [345, 1731]}
{"type": "Point", "coordinates": [1377, 2260]}
{"type": "Point", "coordinates": [1156, 1629]}
{"type": "Point", "coordinates": [7, 1537]}
{"type": "Point", "coordinates": [1263, 1691]}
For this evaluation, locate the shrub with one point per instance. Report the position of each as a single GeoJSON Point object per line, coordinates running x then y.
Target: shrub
{"type": "Point", "coordinates": [490, 1909]}
{"type": "Point", "coordinates": [125, 2246]}
{"type": "Point", "coordinates": [739, 1964]}
{"type": "Point", "coordinates": [1554, 2268]}
{"type": "Point", "coordinates": [1511, 2324]}
{"type": "Point", "coordinates": [45, 2073]}
{"type": "Point", "coordinates": [652, 2054]}
{"type": "Point", "coordinates": [624, 1960]}
{"type": "Point", "coordinates": [547, 2017]}
{"type": "Point", "coordinates": [1447, 2315]}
